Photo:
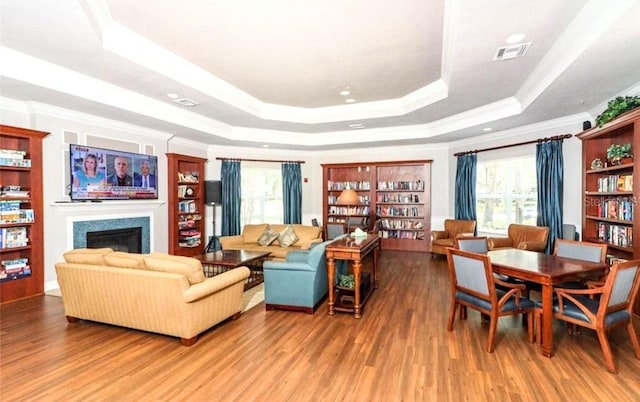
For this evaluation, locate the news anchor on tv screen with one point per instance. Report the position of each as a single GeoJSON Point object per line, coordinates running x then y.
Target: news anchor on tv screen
{"type": "Point", "coordinates": [145, 178]}
{"type": "Point", "coordinates": [121, 176]}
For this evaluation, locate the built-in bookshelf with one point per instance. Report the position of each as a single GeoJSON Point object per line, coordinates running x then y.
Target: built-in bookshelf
{"type": "Point", "coordinates": [186, 204]}
{"type": "Point", "coordinates": [610, 188]}
{"type": "Point", "coordinates": [395, 200]}
{"type": "Point", "coordinates": [21, 227]}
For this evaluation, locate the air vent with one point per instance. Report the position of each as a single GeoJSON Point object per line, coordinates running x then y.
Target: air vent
{"type": "Point", "coordinates": [512, 51]}
{"type": "Point", "coordinates": [186, 102]}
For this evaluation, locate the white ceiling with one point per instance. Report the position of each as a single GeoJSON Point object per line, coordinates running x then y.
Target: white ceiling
{"type": "Point", "coordinates": [271, 72]}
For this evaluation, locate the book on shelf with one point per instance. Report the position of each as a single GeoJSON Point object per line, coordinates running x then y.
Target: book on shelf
{"type": "Point", "coordinates": [13, 237]}
{"type": "Point", "coordinates": [16, 216]}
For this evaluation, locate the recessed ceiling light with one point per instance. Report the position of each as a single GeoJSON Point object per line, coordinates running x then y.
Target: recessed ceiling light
{"type": "Point", "coordinates": [345, 92]}
{"type": "Point", "coordinates": [173, 96]}
{"type": "Point", "coordinates": [487, 129]}
{"type": "Point", "coordinates": [265, 146]}
{"type": "Point", "coordinates": [349, 100]}
{"type": "Point", "coordinates": [356, 125]}
{"type": "Point", "coordinates": [515, 38]}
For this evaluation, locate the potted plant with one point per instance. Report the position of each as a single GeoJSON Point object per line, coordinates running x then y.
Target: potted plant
{"type": "Point", "coordinates": [617, 153]}
{"type": "Point", "coordinates": [616, 107]}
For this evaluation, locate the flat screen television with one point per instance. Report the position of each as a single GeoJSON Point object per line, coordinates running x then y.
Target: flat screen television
{"type": "Point", "coordinates": [104, 174]}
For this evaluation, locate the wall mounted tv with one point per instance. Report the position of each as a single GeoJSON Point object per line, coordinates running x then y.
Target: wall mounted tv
{"type": "Point", "coordinates": [104, 174]}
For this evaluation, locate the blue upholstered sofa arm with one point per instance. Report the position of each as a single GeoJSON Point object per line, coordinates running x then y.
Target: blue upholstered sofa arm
{"type": "Point", "coordinates": [288, 266]}
{"type": "Point", "coordinates": [298, 256]}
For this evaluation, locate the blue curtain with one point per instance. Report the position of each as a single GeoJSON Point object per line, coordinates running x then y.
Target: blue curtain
{"type": "Point", "coordinates": [230, 177]}
{"type": "Point", "coordinates": [465, 195]}
{"type": "Point", "coordinates": [549, 168]}
{"type": "Point", "coordinates": [292, 192]}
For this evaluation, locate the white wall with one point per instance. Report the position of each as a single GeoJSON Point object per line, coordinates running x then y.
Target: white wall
{"type": "Point", "coordinates": [58, 215]}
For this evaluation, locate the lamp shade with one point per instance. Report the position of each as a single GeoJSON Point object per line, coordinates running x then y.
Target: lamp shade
{"type": "Point", "coordinates": [348, 197]}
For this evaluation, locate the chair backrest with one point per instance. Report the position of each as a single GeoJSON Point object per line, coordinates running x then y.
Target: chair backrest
{"type": "Point", "coordinates": [314, 222]}
{"type": "Point", "coordinates": [471, 273]}
{"type": "Point", "coordinates": [456, 226]}
{"type": "Point", "coordinates": [621, 287]}
{"type": "Point", "coordinates": [334, 230]}
{"type": "Point", "coordinates": [579, 250]}
{"type": "Point", "coordinates": [527, 233]}
{"type": "Point", "coordinates": [569, 232]}
{"type": "Point", "coordinates": [472, 244]}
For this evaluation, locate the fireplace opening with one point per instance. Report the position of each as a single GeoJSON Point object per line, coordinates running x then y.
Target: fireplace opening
{"type": "Point", "coordinates": [129, 239]}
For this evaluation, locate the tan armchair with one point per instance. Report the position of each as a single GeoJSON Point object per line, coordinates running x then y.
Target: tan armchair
{"type": "Point", "coordinates": [524, 237]}
{"type": "Point", "coordinates": [453, 228]}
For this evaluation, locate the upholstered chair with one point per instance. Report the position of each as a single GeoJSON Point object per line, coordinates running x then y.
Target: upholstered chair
{"type": "Point", "coordinates": [299, 283]}
{"type": "Point", "coordinates": [453, 228]}
{"type": "Point", "coordinates": [474, 286]}
{"type": "Point", "coordinates": [524, 237]}
{"type": "Point", "coordinates": [604, 307]}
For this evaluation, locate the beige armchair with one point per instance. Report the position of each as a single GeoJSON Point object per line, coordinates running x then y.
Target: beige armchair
{"type": "Point", "coordinates": [453, 228]}
{"type": "Point", "coordinates": [524, 237]}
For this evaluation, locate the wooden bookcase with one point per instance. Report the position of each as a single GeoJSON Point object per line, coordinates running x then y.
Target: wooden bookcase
{"type": "Point", "coordinates": [25, 277]}
{"type": "Point", "coordinates": [186, 205]}
{"type": "Point", "coordinates": [608, 210]}
{"type": "Point", "coordinates": [395, 197]}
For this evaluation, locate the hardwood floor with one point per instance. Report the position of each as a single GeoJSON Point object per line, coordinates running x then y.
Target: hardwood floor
{"type": "Point", "coordinates": [399, 351]}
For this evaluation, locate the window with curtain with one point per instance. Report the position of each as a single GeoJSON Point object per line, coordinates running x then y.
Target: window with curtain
{"type": "Point", "coordinates": [261, 193]}
{"type": "Point", "coordinates": [506, 193]}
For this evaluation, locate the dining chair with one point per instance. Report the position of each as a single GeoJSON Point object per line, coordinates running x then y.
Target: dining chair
{"type": "Point", "coordinates": [474, 286]}
{"type": "Point", "coordinates": [577, 250]}
{"type": "Point", "coordinates": [473, 244]}
{"type": "Point", "coordinates": [334, 230]}
{"type": "Point", "coordinates": [611, 307]}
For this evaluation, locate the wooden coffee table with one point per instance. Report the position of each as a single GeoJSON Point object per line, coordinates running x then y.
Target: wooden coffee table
{"type": "Point", "coordinates": [221, 261]}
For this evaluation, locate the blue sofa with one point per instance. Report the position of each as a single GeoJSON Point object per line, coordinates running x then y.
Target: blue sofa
{"type": "Point", "coordinates": [299, 283]}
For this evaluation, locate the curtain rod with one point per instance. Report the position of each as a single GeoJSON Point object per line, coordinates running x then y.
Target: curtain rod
{"type": "Point", "coordinates": [539, 140]}
{"type": "Point", "coordinates": [255, 160]}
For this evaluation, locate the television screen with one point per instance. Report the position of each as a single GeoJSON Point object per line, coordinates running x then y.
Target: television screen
{"type": "Point", "coordinates": [104, 174]}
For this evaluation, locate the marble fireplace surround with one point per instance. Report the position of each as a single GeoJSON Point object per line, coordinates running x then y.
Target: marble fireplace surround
{"type": "Point", "coordinates": [81, 225]}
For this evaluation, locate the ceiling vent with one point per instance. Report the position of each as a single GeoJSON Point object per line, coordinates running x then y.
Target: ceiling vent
{"type": "Point", "coordinates": [512, 51]}
{"type": "Point", "coordinates": [186, 102]}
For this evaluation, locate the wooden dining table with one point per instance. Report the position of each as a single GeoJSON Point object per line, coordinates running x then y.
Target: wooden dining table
{"type": "Point", "coordinates": [546, 270]}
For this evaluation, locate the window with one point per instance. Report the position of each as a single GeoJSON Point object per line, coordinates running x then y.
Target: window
{"type": "Point", "coordinates": [261, 194]}
{"type": "Point", "coordinates": [506, 192]}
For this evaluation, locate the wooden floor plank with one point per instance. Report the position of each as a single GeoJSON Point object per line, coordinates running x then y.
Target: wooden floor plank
{"type": "Point", "coordinates": [399, 350]}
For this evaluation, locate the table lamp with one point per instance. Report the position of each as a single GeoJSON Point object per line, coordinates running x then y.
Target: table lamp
{"type": "Point", "coordinates": [348, 198]}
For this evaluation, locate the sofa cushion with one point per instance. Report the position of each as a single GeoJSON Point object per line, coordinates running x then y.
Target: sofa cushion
{"type": "Point", "coordinates": [121, 259]}
{"type": "Point", "coordinates": [268, 236]}
{"type": "Point", "coordinates": [187, 266]}
{"type": "Point", "coordinates": [287, 237]}
{"type": "Point", "coordinates": [251, 233]}
{"type": "Point", "coordinates": [91, 256]}
{"type": "Point", "coordinates": [307, 233]}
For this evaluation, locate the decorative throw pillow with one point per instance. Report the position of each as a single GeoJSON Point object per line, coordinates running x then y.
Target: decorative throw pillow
{"type": "Point", "coordinates": [268, 236]}
{"type": "Point", "coordinates": [287, 237]}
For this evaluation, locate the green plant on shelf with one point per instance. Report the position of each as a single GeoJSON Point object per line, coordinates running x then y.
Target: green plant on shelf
{"type": "Point", "coordinates": [617, 152]}
{"type": "Point", "coordinates": [616, 107]}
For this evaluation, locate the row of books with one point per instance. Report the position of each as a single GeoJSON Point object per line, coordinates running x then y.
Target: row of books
{"type": "Point", "coordinates": [13, 192]}
{"type": "Point", "coordinates": [342, 185]}
{"type": "Point", "coordinates": [401, 185]}
{"type": "Point", "coordinates": [614, 182]}
{"type": "Point", "coordinates": [10, 205]}
{"type": "Point", "coordinates": [14, 269]}
{"type": "Point", "coordinates": [616, 208]}
{"type": "Point", "coordinates": [13, 237]}
{"type": "Point", "coordinates": [398, 211]}
{"type": "Point", "coordinates": [399, 234]}
{"type": "Point", "coordinates": [188, 221]}
{"type": "Point", "coordinates": [190, 238]}
{"type": "Point", "coordinates": [615, 234]}
{"type": "Point", "coordinates": [335, 210]}
{"type": "Point", "coordinates": [333, 199]}
{"type": "Point", "coordinates": [12, 157]}
{"type": "Point", "coordinates": [189, 177]}
{"type": "Point", "coordinates": [400, 224]}
{"type": "Point", "coordinates": [399, 198]}
{"type": "Point", "coordinates": [187, 206]}
{"type": "Point", "coordinates": [17, 216]}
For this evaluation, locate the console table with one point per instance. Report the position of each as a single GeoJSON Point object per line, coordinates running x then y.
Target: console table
{"type": "Point", "coordinates": [355, 250]}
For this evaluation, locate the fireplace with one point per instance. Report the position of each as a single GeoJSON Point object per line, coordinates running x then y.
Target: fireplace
{"type": "Point", "coordinates": [82, 226]}
{"type": "Point", "coordinates": [128, 239]}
